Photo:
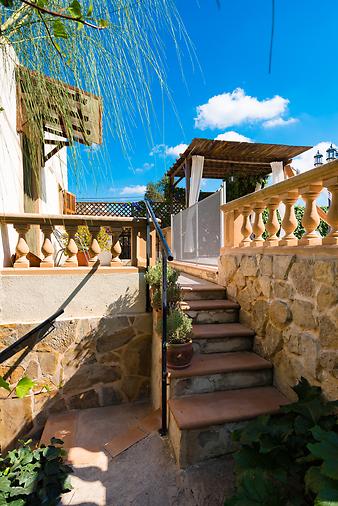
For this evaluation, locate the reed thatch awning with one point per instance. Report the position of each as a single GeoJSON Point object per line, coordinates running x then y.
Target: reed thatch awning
{"type": "Point", "coordinates": [225, 158]}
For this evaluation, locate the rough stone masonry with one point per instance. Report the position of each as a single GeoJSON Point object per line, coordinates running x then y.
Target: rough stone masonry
{"type": "Point", "coordinates": [291, 301]}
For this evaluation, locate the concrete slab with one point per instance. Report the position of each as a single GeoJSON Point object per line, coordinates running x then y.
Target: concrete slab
{"type": "Point", "coordinates": [144, 475]}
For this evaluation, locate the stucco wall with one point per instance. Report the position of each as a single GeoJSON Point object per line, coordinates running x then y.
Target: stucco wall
{"type": "Point", "coordinates": [98, 354]}
{"type": "Point", "coordinates": [53, 174]}
{"type": "Point", "coordinates": [291, 301]}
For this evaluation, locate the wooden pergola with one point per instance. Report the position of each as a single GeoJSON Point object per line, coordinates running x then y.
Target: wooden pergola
{"type": "Point", "coordinates": [224, 158]}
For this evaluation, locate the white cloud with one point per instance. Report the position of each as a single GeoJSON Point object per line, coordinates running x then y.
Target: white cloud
{"type": "Point", "coordinates": [231, 135]}
{"type": "Point", "coordinates": [145, 167]}
{"type": "Point", "coordinates": [131, 191]}
{"type": "Point", "coordinates": [163, 150]}
{"type": "Point", "coordinates": [305, 161]}
{"type": "Point", "coordinates": [276, 122]}
{"type": "Point", "coordinates": [235, 108]}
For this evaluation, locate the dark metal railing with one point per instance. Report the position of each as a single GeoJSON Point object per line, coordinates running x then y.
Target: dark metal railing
{"type": "Point", "coordinates": [47, 325]}
{"type": "Point", "coordinates": [166, 256]}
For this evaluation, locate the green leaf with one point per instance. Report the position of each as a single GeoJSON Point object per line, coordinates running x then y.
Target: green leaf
{"type": "Point", "coordinates": [4, 384]}
{"type": "Point", "coordinates": [56, 441]}
{"type": "Point", "coordinates": [24, 386]}
{"type": "Point", "coordinates": [59, 29]}
{"type": "Point", "coordinates": [5, 484]}
{"type": "Point", "coordinates": [90, 10]}
{"type": "Point", "coordinates": [75, 9]}
{"type": "Point", "coordinates": [327, 450]}
{"type": "Point", "coordinates": [103, 23]}
{"type": "Point", "coordinates": [7, 3]}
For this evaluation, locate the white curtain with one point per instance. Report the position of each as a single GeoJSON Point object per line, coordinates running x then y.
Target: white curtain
{"type": "Point", "coordinates": [196, 176]}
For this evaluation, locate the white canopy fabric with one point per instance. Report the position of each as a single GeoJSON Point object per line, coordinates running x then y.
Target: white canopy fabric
{"type": "Point", "coordinates": [197, 163]}
{"type": "Point", "coordinates": [277, 177]}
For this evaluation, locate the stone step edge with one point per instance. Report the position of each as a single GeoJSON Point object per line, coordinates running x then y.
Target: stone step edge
{"type": "Point", "coordinates": [228, 330]}
{"type": "Point", "coordinates": [209, 305]}
{"type": "Point", "coordinates": [225, 368]}
{"type": "Point", "coordinates": [214, 402]}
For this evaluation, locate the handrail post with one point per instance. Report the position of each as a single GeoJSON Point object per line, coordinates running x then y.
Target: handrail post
{"type": "Point", "coordinates": [163, 430]}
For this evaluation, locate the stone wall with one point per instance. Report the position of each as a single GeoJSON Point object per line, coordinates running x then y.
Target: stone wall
{"type": "Point", "coordinates": [83, 363]}
{"type": "Point", "coordinates": [291, 301]}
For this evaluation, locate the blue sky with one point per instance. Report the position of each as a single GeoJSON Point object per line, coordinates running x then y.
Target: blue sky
{"type": "Point", "coordinates": [231, 92]}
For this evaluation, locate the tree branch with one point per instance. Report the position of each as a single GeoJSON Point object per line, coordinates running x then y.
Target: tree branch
{"type": "Point", "coordinates": [60, 15]}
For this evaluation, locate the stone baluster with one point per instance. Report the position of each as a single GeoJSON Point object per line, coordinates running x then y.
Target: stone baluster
{"type": "Point", "coordinates": [71, 249]}
{"type": "Point", "coordinates": [246, 229]}
{"type": "Point", "coordinates": [332, 214]}
{"type": "Point", "coordinates": [310, 220]}
{"type": "Point", "coordinates": [94, 249]}
{"type": "Point", "coordinates": [258, 225]}
{"type": "Point", "coordinates": [272, 226]}
{"type": "Point", "coordinates": [47, 246]}
{"type": "Point", "coordinates": [289, 223]}
{"type": "Point", "coordinates": [22, 249]}
{"type": "Point", "coordinates": [115, 247]}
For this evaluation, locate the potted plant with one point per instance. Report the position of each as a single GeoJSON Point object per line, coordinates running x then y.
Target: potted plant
{"type": "Point", "coordinates": [179, 342]}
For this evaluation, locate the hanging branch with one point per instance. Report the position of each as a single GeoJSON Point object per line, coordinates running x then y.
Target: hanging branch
{"type": "Point", "coordinates": [61, 15]}
{"type": "Point", "coordinates": [272, 34]}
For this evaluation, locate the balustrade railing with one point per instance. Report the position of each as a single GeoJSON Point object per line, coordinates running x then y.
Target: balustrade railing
{"type": "Point", "coordinates": [243, 217]}
{"type": "Point", "coordinates": [48, 223]}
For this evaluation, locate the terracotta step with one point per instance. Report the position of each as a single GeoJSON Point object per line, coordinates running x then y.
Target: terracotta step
{"type": "Point", "coordinates": [200, 426]}
{"type": "Point", "coordinates": [211, 310]}
{"type": "Point", "coordinates": [221, 338]}
{"type": "Point", "coordinates": [210, 330]}
{"type": "Point", "coordinates": [209, 305]}
{"type": "Point", "coordinates": [203, 365]}
{"type": "Point", "coordinates": [220, 371]}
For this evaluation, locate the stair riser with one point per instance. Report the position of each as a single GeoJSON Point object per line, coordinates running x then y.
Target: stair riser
{"type": "Point", "coordinates": [180, 387]}
{"type": "Point", "coordinates": [215, 316]}
{"type": "Point", "coordinates": [203, 294]}
{"type": "Point", "coordinates": [222, 345]}
{"type": "Point", "coordinates": [193, 446]}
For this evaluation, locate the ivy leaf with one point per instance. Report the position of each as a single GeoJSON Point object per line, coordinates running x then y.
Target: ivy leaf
{"type": "Point", "coordinates": [5, 484]}
{"type": "Point", "coordinates": [4, 384]}
{"type": "Point", "coordinates": [59, 29]}
{"type": "Point", "coordinates": [75, 9]}
{"type": "Point", "coordinates": [327, 450]}
{"type": "Point", "coordinates": [103, 23]}
{"type": "Point", "coordinates": [24, 386]}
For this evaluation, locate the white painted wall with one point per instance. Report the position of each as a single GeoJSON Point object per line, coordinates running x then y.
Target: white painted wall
{"type": "Point", "coordinates": [11, 176]}
{"type": "Point", "coordinates": [53, 175]}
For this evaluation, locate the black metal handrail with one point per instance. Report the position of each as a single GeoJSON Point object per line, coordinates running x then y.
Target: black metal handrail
{"type": "Point", "coordinates": [166, 256]}
{"type": "Point", "coordinates": [20, 343]}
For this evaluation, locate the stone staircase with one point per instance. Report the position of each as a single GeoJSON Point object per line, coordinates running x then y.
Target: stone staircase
{"type": "Point", "coordinates": [226, 383]}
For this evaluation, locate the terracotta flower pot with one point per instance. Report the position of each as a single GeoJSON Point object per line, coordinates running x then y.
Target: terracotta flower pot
{"type": "Point", "coordinates": [179, 355]}
{"type": "Point", "coordinates": [83, 258]}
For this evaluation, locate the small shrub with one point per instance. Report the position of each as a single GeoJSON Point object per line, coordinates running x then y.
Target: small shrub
{"type": "Point", "coordinates": [34, 476]}
{"type": "Point", "coordinates": [291, 458]}
{"type": "Point", "coordinates": [179, 327]}
{"type": "Point", "coordinates": [154, 279]}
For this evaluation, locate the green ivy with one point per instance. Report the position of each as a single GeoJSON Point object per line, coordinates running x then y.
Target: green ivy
{"type": "Point", "coordinates": [34, 476]}
{"type": "Point", "coordinates": [291, 458]}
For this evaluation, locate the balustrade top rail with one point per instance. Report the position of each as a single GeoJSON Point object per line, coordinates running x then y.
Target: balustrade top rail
{"type": "Point", "coordinates": [317, 175]}
{"type": "Point", "coordinates": [240, 230]}
{"type": "Point", "coordinates": [68, 219]}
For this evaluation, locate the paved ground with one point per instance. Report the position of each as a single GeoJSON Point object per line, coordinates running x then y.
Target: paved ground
{"type": "Point", "coordinates": [145, 474]}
